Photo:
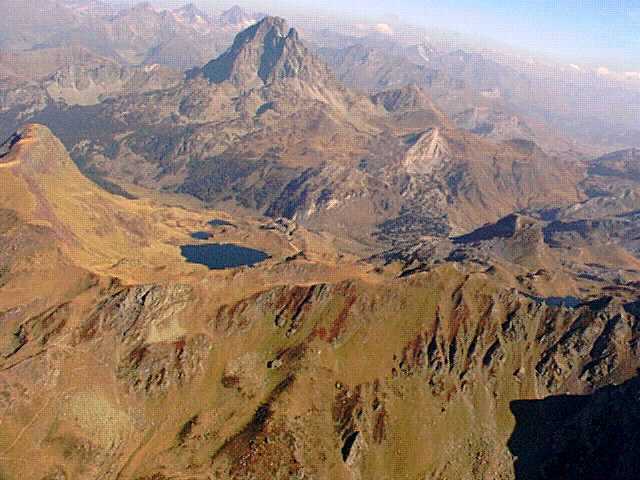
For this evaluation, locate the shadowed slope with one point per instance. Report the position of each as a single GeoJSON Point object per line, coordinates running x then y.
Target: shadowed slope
{"type": "Point", "coordinates": [588, 437]}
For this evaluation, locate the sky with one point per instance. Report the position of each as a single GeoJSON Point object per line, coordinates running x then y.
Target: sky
{"type": "Point", "coordinates": [588, 32]}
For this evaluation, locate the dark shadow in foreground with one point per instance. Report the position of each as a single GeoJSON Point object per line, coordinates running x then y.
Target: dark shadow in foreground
{"type": "Point", "coordinates": [591, 437]}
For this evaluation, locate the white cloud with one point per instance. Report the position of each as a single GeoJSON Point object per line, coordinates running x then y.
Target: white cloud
{"type": "Point", "coordinates": [364, 29]}
{"type": "Point", "coordinates": [383, 28]}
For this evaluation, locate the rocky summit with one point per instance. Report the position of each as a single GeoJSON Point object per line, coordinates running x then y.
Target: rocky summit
{"type": "Point", "coordinates": [263, 53]}
{"type": "Point", "coordinates": [237, 248]}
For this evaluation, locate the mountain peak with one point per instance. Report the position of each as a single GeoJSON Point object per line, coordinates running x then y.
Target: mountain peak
{"type": "Point", "coordinates": [410, 105]}
{"type": "Point", "coordinates": [190, 9]}
{"type": "Point", "coordinates": [237, 18]}
{"type": "Point", "coordinates": [235, 11]}
{"type": "Point", "coordinates": [35, 148]}
{"type": "Point", "coordinates": [408, 96]}
{"type": "Point", "coordinates": [269, 25]}
{"type": "Point", "coordinates": [192, 15]}
{"type": "Point", "coordinates": [262, 54]}
{"type": "Point", "coordinates": [143, 6]}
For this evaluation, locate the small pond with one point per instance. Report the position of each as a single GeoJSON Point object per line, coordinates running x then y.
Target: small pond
{"type": "Point", "coordinates": [201, 235]}
{"type": "Point", "coordinates": [571, 302]}
{"type": "Point", "coordinates": [218, 256]}
{"type": "Point", "coordinates": [216, 222]}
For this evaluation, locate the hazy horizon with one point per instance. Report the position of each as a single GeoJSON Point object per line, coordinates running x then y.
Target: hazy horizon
{"type": "Point", "coordinates": [590, 33]}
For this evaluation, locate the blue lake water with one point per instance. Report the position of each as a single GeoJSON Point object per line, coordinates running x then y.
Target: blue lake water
{"type": "Point", "coordinates": [201, 235]}
{"type": "Point", "coordinates": [216, 222]}
{"type": "Point", "coordinates": [571, 302]}
{"type": "Point", "coordinates": [568, 301]}
{"type": "Point", "coordinates": [218, 256]}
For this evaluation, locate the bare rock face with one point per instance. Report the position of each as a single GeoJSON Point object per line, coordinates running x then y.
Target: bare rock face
{"type": "Point", "coordinates": [429, 153]}
{"type": "Point", "coordinates": [405, 98]}
{"type": "Point", "coordinates": [9, 143]}
{"type": "Point", "coordinates": [79, 85]}
{"type": "Point", "coordinates": [262, 54]}
{"type": "Point", "coordinates": [191, 15]}
{"type": "Point", "coordinates": [623, 163]}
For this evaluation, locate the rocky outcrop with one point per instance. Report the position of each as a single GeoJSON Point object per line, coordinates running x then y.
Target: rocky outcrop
{"type": "Point", "coordinates": [407, 98]}
{"type": "Point", "coordinates": [85, 85]}
{"type": "Point", "coordinates": [262, 54]}
{"type": "Point", "coordinates": [623, 163]}
{"type": "Point", "coordinates": [429, 153]}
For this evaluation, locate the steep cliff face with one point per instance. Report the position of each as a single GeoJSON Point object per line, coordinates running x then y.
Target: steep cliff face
{"type": "Point", "coordinates": [414, 377]}
{"type": "Point", "coordinates": [265, 52]}
{"type": "Point", "coordinates": [429, 153]}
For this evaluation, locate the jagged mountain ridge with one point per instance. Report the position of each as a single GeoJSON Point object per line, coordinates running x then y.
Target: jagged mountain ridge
{"type": "Point", "coordinates": [193, 16]}
{"type": "Point", "coordinates": [85, 85]}
{"type": "Point", "coordinates": [267, 127]}
{"type": "Point", "coordinates": [89, 41]}
{"type": "Point", "coordinates": [469, 88]}
{"type": "Point", "coordinates": [265, 52]}
{"type": "Point", "coordinates": [238, 19]}
{"type": "Point", "coordinates": [240, 374]}
{"type": "Point", "coordinates": [492, 95]}
{"type": "Point", "coordinates": [181, 38]}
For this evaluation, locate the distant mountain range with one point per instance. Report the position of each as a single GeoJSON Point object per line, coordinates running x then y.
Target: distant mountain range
{"type": "Point", "coordinates": [444, 279]}
{"type": "Point", "coordinates": [267, 127]}
{"type": "Point", "coordinates": [497, 98]}
{"type": "Point", "coordinates": [388, 140]}
{"type": "Point", "coordinates": [498, 95]}
{"type": "Point", "coordinates": [180, 38]}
